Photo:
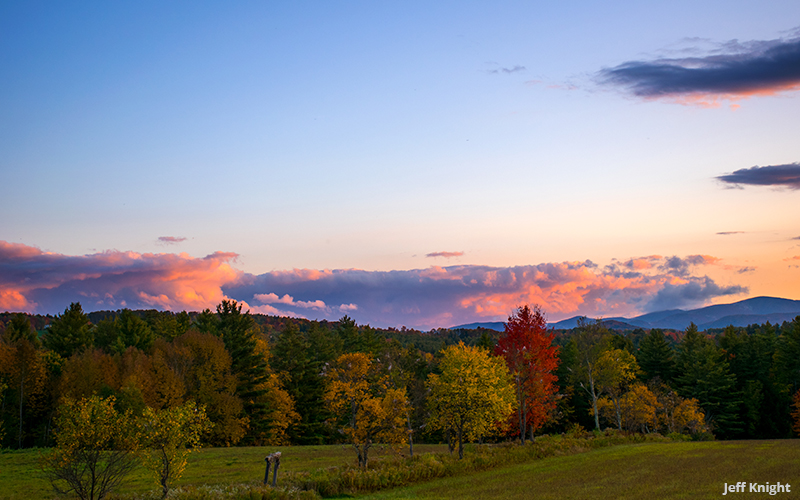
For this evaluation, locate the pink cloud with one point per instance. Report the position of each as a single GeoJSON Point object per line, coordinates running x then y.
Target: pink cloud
{"type": "Point", "coordinates": [446, 255]}
{"type": "Point", "coordinates": [35, 281]}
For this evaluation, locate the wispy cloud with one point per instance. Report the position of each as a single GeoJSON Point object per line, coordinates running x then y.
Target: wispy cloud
{"type": "Point", "coordinates": [787, 176]}
{"type": "Point", "coordinates": [171, 240]}
{"type": "Point", "coordinates": [736, 70]}
{"type": "Point", "coordinates": [446, 255]}
{"type": "Point", "coordinates": [497, 70]}
{"type": "Point", "coordinates": [36, 281]}
{"type": "Point", "coordinates": [728, 233]}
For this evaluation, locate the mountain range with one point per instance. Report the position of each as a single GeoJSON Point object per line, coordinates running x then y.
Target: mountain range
{"type": "Point", "coordinates": [757, 310]}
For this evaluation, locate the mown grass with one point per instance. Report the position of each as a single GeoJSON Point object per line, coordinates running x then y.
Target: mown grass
{"type": "Point", "coordinates": [637, 471]}
{"type": "Point", "coordinates": [21, 477]}
{"type": "Point", "coordinates": [609, 466]}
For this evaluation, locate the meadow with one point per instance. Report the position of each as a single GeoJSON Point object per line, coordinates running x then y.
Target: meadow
{"type": "Point", "coordinates": [631, 470]}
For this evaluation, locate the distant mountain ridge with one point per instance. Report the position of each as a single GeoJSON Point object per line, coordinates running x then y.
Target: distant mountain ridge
{"type": "Point", "coordinates": [756, 310]}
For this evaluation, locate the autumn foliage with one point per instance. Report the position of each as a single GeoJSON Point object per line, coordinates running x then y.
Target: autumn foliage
{"type": "Point", "coordinates": [531, 357]}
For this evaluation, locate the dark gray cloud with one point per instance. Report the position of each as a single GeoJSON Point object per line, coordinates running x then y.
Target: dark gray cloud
{"type": "Point", "coordinates": [696, 291]}
{"type": "Point", "coordinates": [787, 175]}
{"type": "Point", "coordinates": [740, 70]}
{"type": "Point", "coordinates": [682, 266]}
{"type": "Point", "coordinates": [728, 233]}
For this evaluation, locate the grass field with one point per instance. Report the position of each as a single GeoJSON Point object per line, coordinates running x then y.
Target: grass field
{"type": "Point", "coordinates": [22, 479]}
{"type": "Point", "coordinates": [661, 471]}
{"type": "Point", "coordinates": [631, 471]}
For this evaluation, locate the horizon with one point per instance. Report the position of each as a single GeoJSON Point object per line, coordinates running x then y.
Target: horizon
{"type": "Point", "coordinates": [408, 164]}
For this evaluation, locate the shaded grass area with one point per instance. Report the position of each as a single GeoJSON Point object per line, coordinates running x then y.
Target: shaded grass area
{"type": "Point", "coordinates": [634, 471]}
{"type": "Point", "coordinates": [22, 479]}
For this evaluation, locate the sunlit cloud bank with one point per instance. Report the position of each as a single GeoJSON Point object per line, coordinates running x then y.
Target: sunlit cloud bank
{"type": "Point", "coordinates": [35, 281]}
{"type": "Point", "coordinates": [447, 296]}
{"type": "Point", "coordinates": [787, 176]}
{"type": "Point", "coordinates": [734, 71]}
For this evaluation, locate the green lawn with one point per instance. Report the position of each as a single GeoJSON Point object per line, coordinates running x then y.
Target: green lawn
{"type": "Point", "coordinates": [21, 478]}
{"type": "Point", "coordinates": [639, 471]}
{"type": "Point", "coordinates": [632, 471]}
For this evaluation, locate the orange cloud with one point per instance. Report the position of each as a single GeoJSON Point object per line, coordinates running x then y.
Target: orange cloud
{"type": "Point", "coordinates": [35, 281]}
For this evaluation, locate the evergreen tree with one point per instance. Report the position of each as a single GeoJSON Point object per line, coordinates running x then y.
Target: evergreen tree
{"type": "Point", "coordinates": [70, 332]}
{"type": "Point", "coordinates": [705, 375]}
{"type": "Point", "coordinates": [299, 359]}
{"type": "Point", "coordinates": [656, 356]}
{"type": "Point", "coordinates": [239, 333]}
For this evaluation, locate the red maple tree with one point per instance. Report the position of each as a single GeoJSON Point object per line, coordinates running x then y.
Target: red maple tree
{"type": "Point", "coordinates": [531, 357]}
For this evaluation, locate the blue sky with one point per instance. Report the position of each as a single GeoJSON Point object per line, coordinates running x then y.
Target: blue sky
{"type": "Point", "coordinates": [324, 136]}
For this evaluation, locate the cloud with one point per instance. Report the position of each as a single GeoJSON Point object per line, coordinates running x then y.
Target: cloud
{"type": "Point", "coordinates": [732, 72]}
{"type": "Point", "coordinates": [697, 291]}
{"type": "Point", "coordinates": [36, 281]}
{"type": "Point", "coordinates": [445, 296]}
{"type": "Point", "coordinates": [787, 176]}
{"type": "Point", "coordinates": [728, 233]}
{"type": "Point", "coordinates": [171, 240]}
{"type": "Point", "coordinates": [507, 71]}
{"type": "Point", "coordinates": [446, 255]}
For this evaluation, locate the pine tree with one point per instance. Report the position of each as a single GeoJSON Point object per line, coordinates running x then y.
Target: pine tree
{"type": "Point", "coordinates": [656, 356]}
{"type": "Point", "coordinates": [705, 375]}
{"type": "Point", "coordinates": [239, 333]}
{"type": "Point", "coordinates": [70, 332]}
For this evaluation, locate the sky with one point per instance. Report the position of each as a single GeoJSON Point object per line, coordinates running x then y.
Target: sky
{"type": "Point", "coordinates": [414, 164]}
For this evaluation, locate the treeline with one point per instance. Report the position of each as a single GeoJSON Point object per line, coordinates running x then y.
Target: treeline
{"type": "Point", "coordinates": [267, 380]}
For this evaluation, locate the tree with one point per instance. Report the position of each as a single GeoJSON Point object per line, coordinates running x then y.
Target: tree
{"type": "Point", "coordinates": [374, 411]}
{"type": "Point", "coordinates": [169, 436]}
{"type": "Point", "coordinates": [299, 367]}
{"type": "Point", "coordinates": [239, 332]}
{"type": "Point", "coordinates": [615, 369]}
{"type": "Point", "coordinates": [591, 341]}
{"type": "Point", "coordinates": [23, 369]}
{"type": "Point", "coordinates": [70, 332]}
{"type": "Point", "coordinates": [531, 358]}
{"type": "Point", "coordinates": [204, 368]}
{"type": "Point", "coordinates": [796, 412]}
{"type": "Point", "coordinates": [656, 356]}
{"type": "Point", "coordinates": [473, 392]}
{"type": "Point", "coordinates": [94, 450]}
{"type": "Point", "coordinates": [705, 376]}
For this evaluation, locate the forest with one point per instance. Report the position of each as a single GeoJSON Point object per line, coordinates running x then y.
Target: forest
{"type": "Point", "coordinates": [270, 380]}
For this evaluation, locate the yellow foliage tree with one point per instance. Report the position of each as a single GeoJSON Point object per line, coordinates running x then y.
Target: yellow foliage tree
{"type": "Point", "coordinates": [168, 436]}
{"type": "Point", "coordinates": [95, 446]}
{"type": "Point", "coordinates": [615, 369]}
{"type": "Point", "coordinates": [472, 394]}
{"type": "Point", "coordinates": [638, 408]}
{"type": "Point", "coordinates": [375, 412]}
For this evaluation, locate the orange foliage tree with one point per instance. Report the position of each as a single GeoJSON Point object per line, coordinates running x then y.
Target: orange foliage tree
{"type": "Point", "coordinates": [531, 358]}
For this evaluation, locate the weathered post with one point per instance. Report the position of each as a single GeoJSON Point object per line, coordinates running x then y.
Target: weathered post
{"type": "Point", "coordinates": [277, 456]}
{"type": "Point", "coordinates": [272, 458]}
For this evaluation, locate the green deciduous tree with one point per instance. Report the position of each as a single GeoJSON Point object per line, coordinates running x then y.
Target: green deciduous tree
{"type": "Point", "coordinates": [168, 436]}
{"type": "Point", "coordinates": [473, 392]}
